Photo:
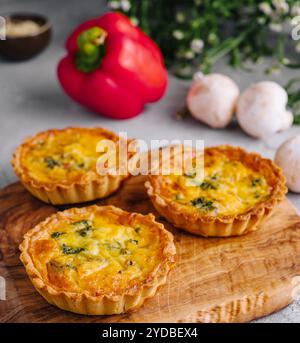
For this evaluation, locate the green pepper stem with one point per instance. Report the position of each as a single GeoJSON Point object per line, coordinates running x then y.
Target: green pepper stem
{"type": "Point", "coordinates": [90, 49]}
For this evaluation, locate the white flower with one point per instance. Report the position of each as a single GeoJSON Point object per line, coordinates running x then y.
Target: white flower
{"type": "Point", "coordinates": [275, 27]}
{"type": "Point", "coordinates": [296, 10]}
{"type": "Point", "coordinates": [114, 5]}
{"type": "Point", "coordinates": [177, 34]}
{"type": "Point", "coordinates": [180, 17]}
{"type": "Point", "coordinates": [281, 6]}
{"type": "Point", "coordinates": [189, 55]}
{"type": "Point", "coordinates": [275, 69]}
{"type": "Point", "coordinates": [198, 75]}
{"type": "Point", "coordinates": [212, 38]}
{"type": "Point", "coordinates": [134, 21]}
{"type": "Point", "coordinates": [125, 5]}
{"type": "Point", "coordinates": [265, 8]}
{"type": "Point", "coordinates": [197, 45]}
{"type": "Point", "coordinates": [295, 33]}
{"type": "Point", "coordinates": [297, 48]}
{"type": "Point", "coordinates": [260, 60]}
{"type": "Point", "coordinates": [261, 20]}
{"type": "Point", "coordinates": [295, 21]}
{"type": "Point", "coordinates": [285, 61]}
{"type": "Point", "coordinates": [185, 71]}
{"type": "Point", "coordinates": [198, 2]}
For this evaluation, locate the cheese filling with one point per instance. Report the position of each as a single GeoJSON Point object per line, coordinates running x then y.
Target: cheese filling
{"type": "Point", "coordinates": [228, 187]}
{"type": "Point", "coordinates": [62, 156]}
{"type": "Point", "coordinates": [97, 254]}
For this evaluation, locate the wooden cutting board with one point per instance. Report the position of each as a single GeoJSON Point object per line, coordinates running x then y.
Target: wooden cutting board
{"type": "Point", "coordinates": [215, 280]}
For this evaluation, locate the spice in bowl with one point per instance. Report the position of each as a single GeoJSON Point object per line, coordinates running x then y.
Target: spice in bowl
{"type": "Point", "coordinates": [26, 35]}
{"type": "Point", "coordinates": [23, 28]}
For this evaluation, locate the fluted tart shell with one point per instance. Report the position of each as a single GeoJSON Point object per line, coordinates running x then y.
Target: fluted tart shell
{"type": "Point", "coordinates": [98, 260]}
{"type": "Point", "coordinates": [67, 187]}
{"type": "Point", "coordinates": [212, 223]}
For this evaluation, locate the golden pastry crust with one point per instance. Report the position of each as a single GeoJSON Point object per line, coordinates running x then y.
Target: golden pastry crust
{"type": "Point", "coordinates": [102, 282]}
{"type": "Point", "coordinates": [67, 187]}
{"type": "Point", "coordinates": [206, 223]}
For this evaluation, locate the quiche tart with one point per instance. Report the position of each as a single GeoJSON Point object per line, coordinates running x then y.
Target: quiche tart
{"type": "Point", "coordinates": [236, 191]}
{"type": "Point", "coordinates": [98, 260]}
{"type": "Point", "coordinates": [59, 166]}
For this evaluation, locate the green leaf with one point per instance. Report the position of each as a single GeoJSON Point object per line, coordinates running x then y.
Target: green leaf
{"type": "Point", "coordinates": [83, 226]}
{"type": "Point", "coordinates": [67, 250]}
{"type": "Point", "coordinates": [297, 119]}
{"type": "Point", "coordinates": [207, 185]}
{"type": "Point", "coordinates": [51, 162]}
{"type": "Point", "coordinates": [203, 204]}
{"type": "Point", "coordinates": [56, 234]}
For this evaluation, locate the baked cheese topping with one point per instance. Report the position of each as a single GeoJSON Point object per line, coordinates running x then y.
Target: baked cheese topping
{"type": "Point", "coordinates": [96, 253]}
{"type": "Point", "coordinates": [229, 187]}
{"type": "Point", "coordinates": [63, 155]}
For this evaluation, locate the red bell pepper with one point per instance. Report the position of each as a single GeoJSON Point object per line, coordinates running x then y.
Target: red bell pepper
{"type": "Point", "coordinates": [112, 67]}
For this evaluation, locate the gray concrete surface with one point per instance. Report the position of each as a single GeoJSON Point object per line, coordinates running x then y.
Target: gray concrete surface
{"type": "Point", "coordinates": [31, 100]}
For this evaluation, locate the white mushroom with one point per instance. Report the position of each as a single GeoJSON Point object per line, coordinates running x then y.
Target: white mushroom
{"type": "Point", "coordinates": [261, 109]}
{"type": "Point", "coordinates": [212, 99]}
{"type": "Point", "coordinates": [288, 158]}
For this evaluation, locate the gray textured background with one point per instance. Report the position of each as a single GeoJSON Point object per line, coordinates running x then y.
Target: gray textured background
{"type": "Point", "coordinates": [31, 100]}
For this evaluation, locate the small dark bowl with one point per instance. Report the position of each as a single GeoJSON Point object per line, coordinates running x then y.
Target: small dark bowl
{"type": "Point", "coordinates": [25, 47]}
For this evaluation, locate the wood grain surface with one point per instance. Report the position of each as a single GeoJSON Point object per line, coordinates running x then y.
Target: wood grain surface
{"type": "Point", "coordinates": [215, 280]}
